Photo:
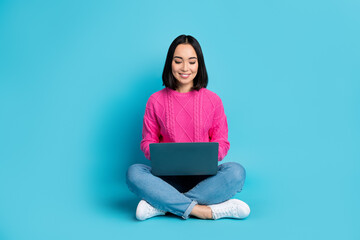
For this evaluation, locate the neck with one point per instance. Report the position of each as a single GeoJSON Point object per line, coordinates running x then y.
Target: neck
{"type": "Point", "coordinates": [184, 89]}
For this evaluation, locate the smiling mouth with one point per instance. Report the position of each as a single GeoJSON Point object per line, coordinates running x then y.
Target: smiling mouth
{"type": "Point", "coordinates": [184, 75]}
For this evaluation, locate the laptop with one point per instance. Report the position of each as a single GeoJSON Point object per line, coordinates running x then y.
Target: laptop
{"type": "Point", "coordinates": [183, 159]}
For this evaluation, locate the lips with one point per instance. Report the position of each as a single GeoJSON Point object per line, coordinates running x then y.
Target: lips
{"type": "Point", "coordinates": [184, 75]}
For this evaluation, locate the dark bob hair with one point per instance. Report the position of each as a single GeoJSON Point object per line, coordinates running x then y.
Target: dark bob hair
{"type": "Point", "coordinates": [201, 78]}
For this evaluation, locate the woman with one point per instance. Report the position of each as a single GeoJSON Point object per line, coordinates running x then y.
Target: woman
{"type": "Point", "coordinates": [185, 111]}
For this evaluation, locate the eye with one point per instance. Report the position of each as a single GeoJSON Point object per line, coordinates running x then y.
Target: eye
{"type": "Point", "coordinates": [192, 62]}
{"type": "Point", "coordinates": [177, 62]}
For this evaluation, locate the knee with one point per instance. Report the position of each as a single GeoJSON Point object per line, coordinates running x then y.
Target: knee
{"type": "Point", "coordinates": [135, 172]}
{"type": "Point", "coordinates": [236, 173]}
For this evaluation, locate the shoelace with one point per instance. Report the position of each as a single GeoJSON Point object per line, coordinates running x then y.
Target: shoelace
{"type": "Point", "coordinates": [231, 210]}
{"type": "Point", "coordinates": [153, 210]}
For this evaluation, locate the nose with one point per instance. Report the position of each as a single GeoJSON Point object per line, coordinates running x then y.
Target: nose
{"type": "Point", "coordinates": [185, 66]}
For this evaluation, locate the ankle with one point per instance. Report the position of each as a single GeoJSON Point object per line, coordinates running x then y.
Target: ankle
{"type": "Point", "coordinates": [202, 212]}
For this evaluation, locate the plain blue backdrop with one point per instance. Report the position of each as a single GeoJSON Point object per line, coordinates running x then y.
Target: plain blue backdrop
{"type": "Point", "coordinates": [74, 80]}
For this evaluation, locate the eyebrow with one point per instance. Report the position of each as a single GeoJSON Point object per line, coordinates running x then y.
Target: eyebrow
{"type": "Point", "coordinates": [182, 58]}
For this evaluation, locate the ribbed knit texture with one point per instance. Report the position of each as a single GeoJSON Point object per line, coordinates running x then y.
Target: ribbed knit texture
{"type": "Point", "coordinates": [195, 116]}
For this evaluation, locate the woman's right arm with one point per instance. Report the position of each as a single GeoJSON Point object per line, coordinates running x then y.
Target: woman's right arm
{"type": "Point", "coordinates": [151, 128]}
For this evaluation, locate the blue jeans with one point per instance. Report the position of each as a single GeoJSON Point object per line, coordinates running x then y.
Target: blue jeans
{"type": "Point", "coordinates": [179, 194]}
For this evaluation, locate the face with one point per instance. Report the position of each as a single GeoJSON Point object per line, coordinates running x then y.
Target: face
{"type": "Point", "coordinates": [185, 65]}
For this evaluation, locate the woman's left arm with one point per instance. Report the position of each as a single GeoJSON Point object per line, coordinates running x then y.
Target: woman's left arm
{"type": "Point", "coordinates": [219, 130]}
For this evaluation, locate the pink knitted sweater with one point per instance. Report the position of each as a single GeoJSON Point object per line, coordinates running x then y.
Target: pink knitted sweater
{"type": "Point", "coordinates": [195, 116]}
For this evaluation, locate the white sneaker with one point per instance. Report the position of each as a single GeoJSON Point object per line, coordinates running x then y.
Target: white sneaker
{"type": "Point", "coordinates": [233, 208]}
{"type": "Point", "coordinates": [144, 211]}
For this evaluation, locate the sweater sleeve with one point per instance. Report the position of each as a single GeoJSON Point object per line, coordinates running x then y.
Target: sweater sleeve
{"type": "Point", "coordinates": [219, 131]}
{"type": "Point", "coordinates": [151, 128]}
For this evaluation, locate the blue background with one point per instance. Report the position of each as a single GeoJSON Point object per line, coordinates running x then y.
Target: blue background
{"type": "Point", "coordinates": [74, 80]}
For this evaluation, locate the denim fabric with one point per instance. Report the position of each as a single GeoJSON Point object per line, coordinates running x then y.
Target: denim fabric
{"type": "Point", "coordinates": [179, 194]}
